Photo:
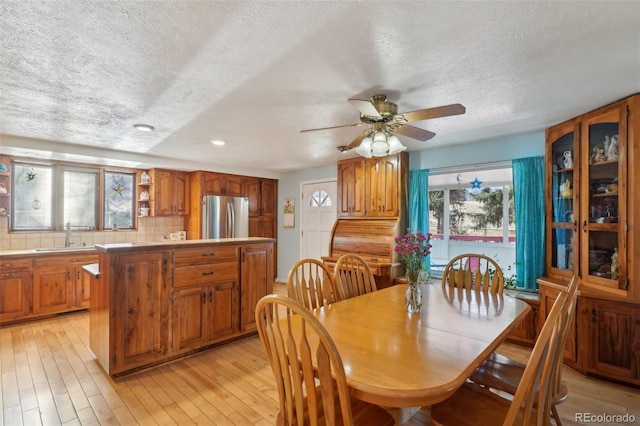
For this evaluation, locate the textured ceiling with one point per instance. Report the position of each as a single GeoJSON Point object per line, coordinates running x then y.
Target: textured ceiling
{"type": "Point", "coordinates": [76, 75]}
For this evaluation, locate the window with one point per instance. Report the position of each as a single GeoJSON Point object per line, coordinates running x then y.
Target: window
{"type": "Point", "coordinates": [79, 198]}
{"type": "Point", "coordinates": [33, 197]}
{"type": "Point", "coordinates": [119, 200]}
{"type": "Point", "coordinates": [320, 199]}
{"type": "Point", "coordinates": [46, 198]}
{"type": "Point", "coordinates": [472, 212]}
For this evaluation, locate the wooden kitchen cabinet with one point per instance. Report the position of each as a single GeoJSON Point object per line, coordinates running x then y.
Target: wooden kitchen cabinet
{"type": "Point", "coordinates": [592, 209]}
{"type": "Point", "coordinates": [351, 187]}
{"type": "Point", "coordinates": [142, 298]}
{"type": "Point", "coordinates": [384, 186]}
{"type": "Point", "coordinates": [256, 281]}
{"type": "Point", "coordinates": [612, 338]}
{"type": "Point", "coordinates": [159, 301]}
{"type": "Point", "coordinates": [58, 283]}
{"type": "Point", "coordinates": [263, 209]}
{"type": "Point", "coordinates": [221, 184]}
{"type": "Point", "coordinates": [263, 196]}
{"type": "Point", "coordinates": [205, 296]}
{"type": "Point", "coordinates": [373, 187]}
{"type": "Point", "coordinates": [203, 315]}
{"type": "Point", "coordinates": [43, 285]}
{"type": "Point", "coordinates": [15, 289]}
{"type": "Point", "coordinates": [171, 192]}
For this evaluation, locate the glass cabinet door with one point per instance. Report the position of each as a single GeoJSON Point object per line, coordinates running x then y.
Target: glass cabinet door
{"type": "Point", "coordinates": [562, 227]}
{"type": "Point", "coordinates": [603, 223]}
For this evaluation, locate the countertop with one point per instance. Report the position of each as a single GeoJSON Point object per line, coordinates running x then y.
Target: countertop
{"type": "Point", "coordinates": [169, 244]}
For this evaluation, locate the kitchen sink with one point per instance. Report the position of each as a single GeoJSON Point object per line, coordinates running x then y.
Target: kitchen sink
{"type": "Point", "coordinates": [54, 249]}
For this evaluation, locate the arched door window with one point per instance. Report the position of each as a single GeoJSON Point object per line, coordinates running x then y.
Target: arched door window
{"type": "Point", "coordinates": [320, 199]}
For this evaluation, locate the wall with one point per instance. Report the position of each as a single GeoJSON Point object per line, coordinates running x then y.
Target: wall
{"type": "Point", "coordinates": [488, 151]}
{"type": "Point", "coordinates": [149, 229]}
{"type": "Point", "coordinates": [289, 238]}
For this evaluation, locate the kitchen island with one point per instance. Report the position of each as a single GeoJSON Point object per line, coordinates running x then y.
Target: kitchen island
{"type": "Point", "coordinates": [154, 302]}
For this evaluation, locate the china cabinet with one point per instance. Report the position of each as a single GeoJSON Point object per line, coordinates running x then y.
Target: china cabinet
{"type": "Point", "coordinates": [593, 209]}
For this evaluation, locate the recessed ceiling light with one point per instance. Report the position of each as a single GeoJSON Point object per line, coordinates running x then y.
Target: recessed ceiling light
{"type": "Point", "coordinates": [217, 142]}
{"type": "Point", "coordinates": [144, 127]}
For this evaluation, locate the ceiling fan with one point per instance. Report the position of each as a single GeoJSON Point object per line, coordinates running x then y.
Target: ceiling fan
{"type": "Point", "coordinates": [384, 119]}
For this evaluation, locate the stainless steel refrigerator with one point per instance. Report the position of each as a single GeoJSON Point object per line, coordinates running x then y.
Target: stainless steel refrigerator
{"type": "Point", "coordinates": [225, 217]}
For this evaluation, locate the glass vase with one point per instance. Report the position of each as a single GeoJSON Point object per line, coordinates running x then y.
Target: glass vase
{"type": "Point", "coordinates": [413, 295]}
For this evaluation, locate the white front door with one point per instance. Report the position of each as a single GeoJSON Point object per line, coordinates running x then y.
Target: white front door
{"type": "Point", "coordinates": [318, 213]}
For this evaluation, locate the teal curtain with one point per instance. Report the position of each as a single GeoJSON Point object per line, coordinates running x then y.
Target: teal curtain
{"type": "Point", "coordinates": [528, 192]}
{"type": "Point", "coordinates": [419, 204]}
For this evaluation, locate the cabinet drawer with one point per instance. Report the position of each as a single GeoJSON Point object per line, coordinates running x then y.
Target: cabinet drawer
{"type": "Point", "coordinates": [68, 260]}
{"type": "Point", "coordinates": [8, 262]}
{"type": "Point", "coordinates": [203, 274]}
{"type": "Point", "coordinates": [204, 255]}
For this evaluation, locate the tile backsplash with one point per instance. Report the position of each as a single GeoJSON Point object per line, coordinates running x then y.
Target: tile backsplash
{"type": "Point", "coordinates": [149, 229]}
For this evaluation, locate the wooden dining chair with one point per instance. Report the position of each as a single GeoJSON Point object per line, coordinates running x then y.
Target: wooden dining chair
{"type": "Point", "coordinates": [472, 404]}
{"type": "Point", "coordinates": [310, 377]}
{"type": "Point", "coordinates": [353, 276]}
{"type": "Point", "coordinates": [503, 373]}
{"type": "Point", "coordinates": [311, 283]}
{"type": "Point", "coordinates": [474, 271]}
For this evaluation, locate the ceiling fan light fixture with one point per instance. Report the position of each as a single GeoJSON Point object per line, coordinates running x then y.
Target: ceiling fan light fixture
{"type": "Point", "coordinates": [379, 148]}
{"type": "Point", "coordinates": [395, 146]}
{"type": "Point", "coordinates": [364, 149]}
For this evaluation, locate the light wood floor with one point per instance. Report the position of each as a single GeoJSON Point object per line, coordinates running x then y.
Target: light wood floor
{"type": "Point", "coordinates": [49, 377]}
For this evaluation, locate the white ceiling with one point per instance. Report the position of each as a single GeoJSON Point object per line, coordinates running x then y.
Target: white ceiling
{"type": "Point", "coordinates": [76, 75]}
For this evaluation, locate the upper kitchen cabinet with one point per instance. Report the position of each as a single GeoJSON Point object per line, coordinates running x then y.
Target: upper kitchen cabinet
{"type": "Point", "coordinates": [373, 187]}
{"type": "Point", "coordinates": [171, 192]}
{"type": "Point", "coordinates": [5, 185]}
{"type": "Point", "coordinates": [263, 196]}
{"type": "Point", "coordinates": [221, 184]}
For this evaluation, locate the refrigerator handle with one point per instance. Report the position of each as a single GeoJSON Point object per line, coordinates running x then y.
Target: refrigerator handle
{"type": "Point", "coordinates": [233, 220]}
{"type": "Point", "coordinates": [228, 222]}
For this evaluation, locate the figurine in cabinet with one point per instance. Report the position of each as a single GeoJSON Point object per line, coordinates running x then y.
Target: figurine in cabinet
{"type": "Point", "coordinates": [568, 160]}
{"type": "Point", "coordinates": [598, 154]}
{"type": "Point", "coordinates": [565, 189]}
{"type": "Point", "coordinates": [614, 264]}
{"type": "Point", "coordinates": [612, 148]}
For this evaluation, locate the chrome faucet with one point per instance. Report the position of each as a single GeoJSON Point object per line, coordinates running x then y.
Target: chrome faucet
{"type": "Point", "coordinates": [67, 239]}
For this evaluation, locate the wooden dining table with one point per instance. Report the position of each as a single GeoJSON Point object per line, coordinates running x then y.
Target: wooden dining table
{"type": "Point", "coordinates": [396, 359]}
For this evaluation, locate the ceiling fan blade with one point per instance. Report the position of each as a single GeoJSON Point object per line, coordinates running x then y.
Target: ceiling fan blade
{"type": "Point", "coordinates": [365, 108]}
{"type": "Point", "coordinates": [356, 142]}
{"type": "Point", "coordinates": [414, 132]}
{"type": "Point", "coordinates": [333, 127]}
{"type": "Point", "coordinates": [441, 111]}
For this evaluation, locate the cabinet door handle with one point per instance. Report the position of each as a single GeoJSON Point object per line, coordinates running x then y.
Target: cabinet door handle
{"type": "Point", "coordinates": [594, 317]}
{"type": "Point", "coordinates": [69, 275]}
{"type": "Point", "coordinates": [584, 226]}
{"type": "Point", "coordinates": [204, 297]}
{"type": "Point", "coordinates": [575, 225]}
{"type": "Point", "coordinates": [208, 273]}
{"type": "Point", "coordinates": [210, 296]}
